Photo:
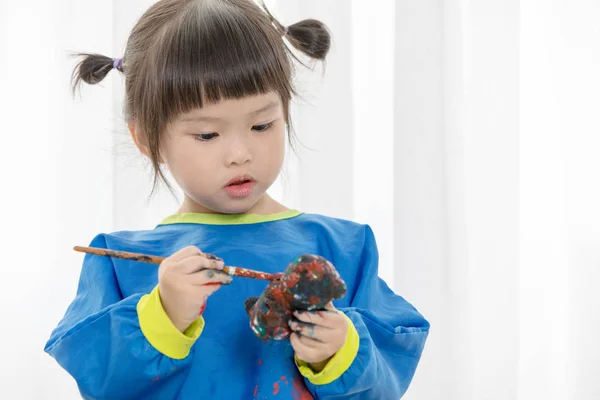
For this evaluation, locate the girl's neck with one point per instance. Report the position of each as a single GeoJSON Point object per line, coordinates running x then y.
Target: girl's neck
{"type": "Point", "coordinates": [266, 205]}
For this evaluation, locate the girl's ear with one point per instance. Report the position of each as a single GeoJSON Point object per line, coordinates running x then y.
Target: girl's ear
{"type": "Point", "coordinates": [140, 140]}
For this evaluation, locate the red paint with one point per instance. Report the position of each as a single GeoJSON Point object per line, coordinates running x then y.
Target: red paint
{"type": "Point", "coordinates": [155, 379]}
{"type": "Point", "coordinates": [255, 390]}
{"type": "Point", "coordinates": [299, 390]}
{"type": "Point", "coordinates": [202, 308]}
{"type": "Point", "coordinates": [248, 273]}
{"type": "Point", "coordinates": [293, 280]}
{"type": "Point", "coordinates": [308, 283]}
{"type": "Point", "coordinates": [260, 362]}
{"type": "Point", "coordinates": [275, 388]}
{"type": "Point", "coordinates": [282, 378]}
{"type": "Point", "coordinates": [212, 284]}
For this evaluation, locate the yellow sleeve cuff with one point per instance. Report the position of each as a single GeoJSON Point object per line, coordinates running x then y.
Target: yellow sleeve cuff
{"type": "Point", "coordinates": [160, 331]}
{"type": "Point", "coordinates": [339, 363]}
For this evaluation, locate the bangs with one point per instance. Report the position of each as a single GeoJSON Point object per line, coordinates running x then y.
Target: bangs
{"type": "Point", "coordinates": [214, 52]}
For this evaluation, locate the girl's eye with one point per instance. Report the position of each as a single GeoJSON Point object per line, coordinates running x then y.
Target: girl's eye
{"type": "Point", "coordinates": [205, 137]}
{"type": "Point", "coordinates": [262, 127]}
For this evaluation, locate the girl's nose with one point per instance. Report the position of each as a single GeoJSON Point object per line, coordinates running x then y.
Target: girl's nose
{"type": "Point", "coordinates": [239, 153]}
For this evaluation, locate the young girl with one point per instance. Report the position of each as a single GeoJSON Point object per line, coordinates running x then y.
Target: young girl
{"type": "Point", "coordinates": [208, 88]}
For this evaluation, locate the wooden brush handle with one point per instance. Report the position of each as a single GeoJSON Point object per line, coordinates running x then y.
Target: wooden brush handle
{"type": "Point", "coordinates": [233, 271]}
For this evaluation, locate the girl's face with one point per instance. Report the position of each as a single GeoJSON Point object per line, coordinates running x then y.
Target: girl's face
{"type": "Point", "coordinates": [226, 155]}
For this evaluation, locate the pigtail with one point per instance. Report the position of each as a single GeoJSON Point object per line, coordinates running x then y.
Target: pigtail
{"type": "Point", "coordinates": [92, 69]}
{"type": "Point", "coordinates": [310, 37]}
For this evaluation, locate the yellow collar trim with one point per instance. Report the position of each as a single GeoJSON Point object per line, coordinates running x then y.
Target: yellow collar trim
{"type": "Point", "coordinates": [227, 219]}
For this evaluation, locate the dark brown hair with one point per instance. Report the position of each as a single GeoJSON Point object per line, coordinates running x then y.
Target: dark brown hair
{"type": "Point", "coordinates": [183, 53]}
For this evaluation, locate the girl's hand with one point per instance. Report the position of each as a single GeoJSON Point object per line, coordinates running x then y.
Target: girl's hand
{"type": "Point", "coordinates": [318, 335]}
{"type": "Point", "coordinates": [185, 280]}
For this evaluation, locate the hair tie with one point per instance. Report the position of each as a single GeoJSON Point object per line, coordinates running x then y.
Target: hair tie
{"type": "Point", "coordinates": [286, 31]}
{"type": "Point", "coordinates": [117, 63]}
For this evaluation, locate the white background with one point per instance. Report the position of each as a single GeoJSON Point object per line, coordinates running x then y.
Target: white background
{"type": "Point", "coordinates": [466, 133]}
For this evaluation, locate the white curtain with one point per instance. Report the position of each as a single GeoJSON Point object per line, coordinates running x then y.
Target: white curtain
{"type": "Point", "coordinates": [465, 132]}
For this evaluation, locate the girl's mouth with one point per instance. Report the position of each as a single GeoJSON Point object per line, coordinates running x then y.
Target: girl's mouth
{"type": "Point", "coordinates": [240, 187]}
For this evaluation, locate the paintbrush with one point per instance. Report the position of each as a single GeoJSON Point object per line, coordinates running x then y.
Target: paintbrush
{"type": "Point", "coordinates": [229, 270]}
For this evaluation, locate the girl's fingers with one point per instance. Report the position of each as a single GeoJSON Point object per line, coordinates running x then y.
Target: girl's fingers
{"type": "Point", "coordinates": [211, 256]}
{"type": "Point", "coordinates": [310, 331]}
{"type": "Point", "coordinates": [210, 288]}
{"type": "Point", "coordinates": [210, 277]}
{"type": "Point", "coordinates": [184, 253]}
{"type": "Point", "coordinates": [325, 318]}
{"type": "Point", "coordinates": [298, 347]}
{"type": "Point", "coordinates": [198, 263]}
{"type": "Point", "coordinates": [304, 344]}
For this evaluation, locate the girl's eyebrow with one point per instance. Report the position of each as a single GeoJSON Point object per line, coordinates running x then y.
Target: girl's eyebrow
{"type": "Point", "coordinates": [267, 107]}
